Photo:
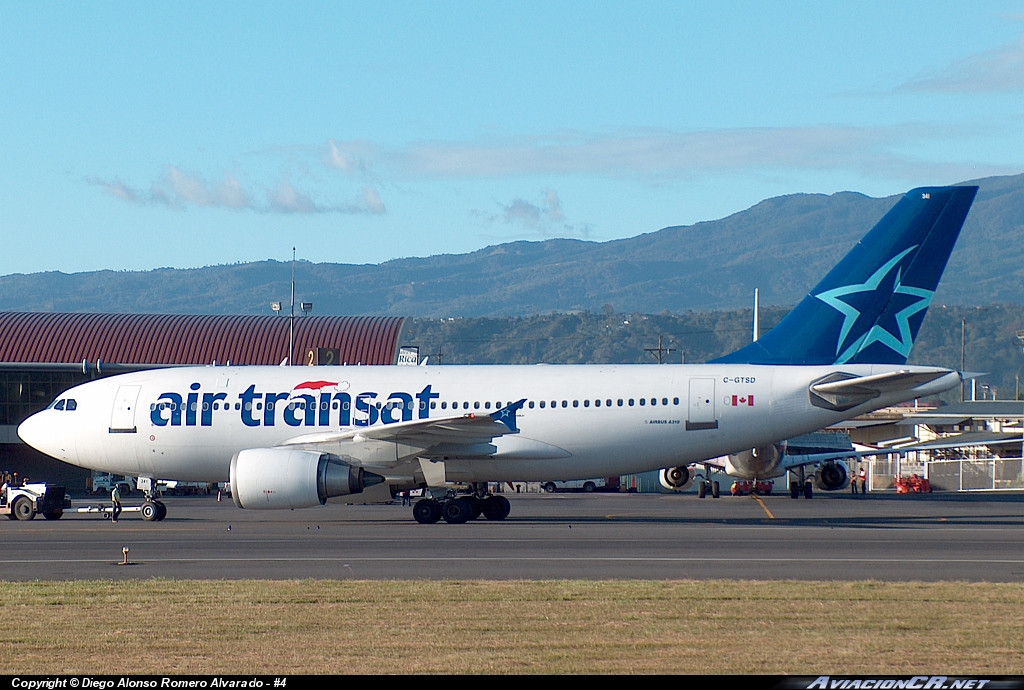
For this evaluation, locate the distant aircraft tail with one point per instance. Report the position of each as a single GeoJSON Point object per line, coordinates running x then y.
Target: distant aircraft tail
{"type": "Point", "coordinates": [868, 309]}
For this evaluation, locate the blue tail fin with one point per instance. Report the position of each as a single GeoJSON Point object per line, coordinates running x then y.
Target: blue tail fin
{"type": "Point", "coordinates": [868, 309]}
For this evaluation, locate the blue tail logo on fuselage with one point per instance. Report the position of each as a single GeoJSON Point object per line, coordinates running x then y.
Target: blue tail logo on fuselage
{"type": "Point", "coordinates": [869, 308]}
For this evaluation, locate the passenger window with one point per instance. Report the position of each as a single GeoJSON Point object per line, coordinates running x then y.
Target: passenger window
{"type": "Point", "coordinates": [620, 402]}
{"type": "Point", "coordinates": [597, 403]}
{"type": "Point", "coordinates": [565, 403]}
{"type": "Point", "coordinates": [575, 403]}
{"type": "Point", "coordinates": [465, 405]}
{"type": "Point", "coordinates": [631, 402]}
{"type": "Point", "coordinates": [531, 404]}
{"type": "Point", "coordinates": [586, 403]}
{"type": "Point", "coordinates": [675, 401]}
{"type": "Point", "coordinates": [433, 405]}
{"type": "Point", "coordinates": [654, 401]}
{"type": "Point", "coordinates": [643, 401]}
{"type": "Point", "coordinates": [444, 406]}
{"type": "Point", "coordinates": [664, 401]}
{"type": "Point", "coordinates": [542, 403]}
{"type": "Point", "coordinates": [608, 402]}
{"type": "Point", "coordinates": [487, 405]}
{"type": "Point", "coordinates": [476, 406]}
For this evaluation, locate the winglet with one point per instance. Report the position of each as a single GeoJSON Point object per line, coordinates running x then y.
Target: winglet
{"type": "Point", "coordinates": [507, 415]}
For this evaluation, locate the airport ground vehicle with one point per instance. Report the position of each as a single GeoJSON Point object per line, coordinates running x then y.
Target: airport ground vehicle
{"type": "Point", "coordinates": [585, 485]}
{"type": "Point", "coordinates": [25, 501]}
{"type": "Point", "coordinates": [103, 483]}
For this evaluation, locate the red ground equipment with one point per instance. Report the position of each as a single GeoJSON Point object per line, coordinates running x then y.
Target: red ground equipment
{"type": "Point", "coordinates": [913, 484]}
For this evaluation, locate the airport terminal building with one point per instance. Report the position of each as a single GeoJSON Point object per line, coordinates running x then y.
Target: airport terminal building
{"type": "Point", "coordinates": [44, 354]}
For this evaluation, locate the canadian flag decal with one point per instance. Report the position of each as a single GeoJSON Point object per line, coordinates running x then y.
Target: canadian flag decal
{"type": "Point", "coordinates": [747, 400]}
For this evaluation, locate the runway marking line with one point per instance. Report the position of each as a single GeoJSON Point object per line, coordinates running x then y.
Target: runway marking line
{"type": "Point", "coordinates": [580, 559]}
{"type": "Point", "coordinates": [761, 503]}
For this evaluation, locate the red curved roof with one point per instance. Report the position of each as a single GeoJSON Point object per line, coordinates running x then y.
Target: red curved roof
{"type": "Point", "coordinates": [192, 339]}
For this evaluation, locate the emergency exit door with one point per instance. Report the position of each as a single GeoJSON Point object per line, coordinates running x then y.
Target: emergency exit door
{"type": "Point", "coordinates": [701, 410]}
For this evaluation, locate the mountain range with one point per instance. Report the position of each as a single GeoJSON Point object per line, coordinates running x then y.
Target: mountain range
{"type": "Point", "coordinates": [782, 245]}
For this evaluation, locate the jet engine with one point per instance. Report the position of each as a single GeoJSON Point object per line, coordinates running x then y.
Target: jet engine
{"type": "Point", "coordinates": [281, 478]}
{"type": "Point", "coordinates": [832, 476]}
{"type": "Point", "coordinates": [675, 478]}
{"type": "Point", "coordinates": [756, 463]}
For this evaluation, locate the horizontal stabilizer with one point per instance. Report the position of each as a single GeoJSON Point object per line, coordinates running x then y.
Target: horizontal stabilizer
{"type": "Point", "coordinates": [841, 391]}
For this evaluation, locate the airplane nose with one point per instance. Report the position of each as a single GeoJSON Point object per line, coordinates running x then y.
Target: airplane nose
{"type": "Point", "coordinates": [30, 431]}
{"type": "Point", "coordinates": [41, 435]}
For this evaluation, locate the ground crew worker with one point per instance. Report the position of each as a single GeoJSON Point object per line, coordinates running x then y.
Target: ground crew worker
{"type": "Point", "coordinates": [115, 498]}
{"type": "Point", "coordinates": [853, 485]}
{"type": "Point", "coordinates": [863, 479]}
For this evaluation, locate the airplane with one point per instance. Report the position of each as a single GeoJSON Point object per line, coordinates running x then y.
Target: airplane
{"type": "Point", "coordinates": [289, 437]}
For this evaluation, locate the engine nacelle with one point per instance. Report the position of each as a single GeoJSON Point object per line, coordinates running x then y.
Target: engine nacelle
{"type": "Point", "coordinates": [757, 463]}
{"type": "Point", "coordinates": [675, 478]}
{"type": "Point", "coordinates": [281, 478]}
{"type": "Point", "coordinates": [832, 476]}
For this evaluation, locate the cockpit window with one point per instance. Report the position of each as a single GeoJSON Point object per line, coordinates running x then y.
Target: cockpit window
{"type": "Point", "coordinates": [71, 405]}
{"type": "Point", "coordinates": [57, 404]}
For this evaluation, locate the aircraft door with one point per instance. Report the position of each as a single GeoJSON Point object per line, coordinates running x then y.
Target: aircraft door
{"type": "Point", "coordinates": [122, 417]}
{"type": "Point", "coordinates": [701, 410]}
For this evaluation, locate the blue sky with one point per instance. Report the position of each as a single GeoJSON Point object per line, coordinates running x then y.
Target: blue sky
{"type": "Point", "coordinates": [142, 135]}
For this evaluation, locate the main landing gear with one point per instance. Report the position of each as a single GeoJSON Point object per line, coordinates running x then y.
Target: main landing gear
{"type": "Point", "coordinates": [706, 486]}
{"type": "Point", "coordinates": [456, 510]}
{"type": "Point", "coordinates": [800, 484]}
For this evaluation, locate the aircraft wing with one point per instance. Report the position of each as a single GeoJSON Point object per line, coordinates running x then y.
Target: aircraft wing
{"type": "Point", "coordinates": [789, 461]}
{"type": "Point", "coordinates": [467, 429]}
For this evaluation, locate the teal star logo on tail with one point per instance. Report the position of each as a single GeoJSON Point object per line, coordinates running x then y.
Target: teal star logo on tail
{"type": "Point", "coordinates": [900, 341]}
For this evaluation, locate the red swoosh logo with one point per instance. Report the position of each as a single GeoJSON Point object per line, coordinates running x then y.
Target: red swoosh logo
{"type": "Point", "coordinates": [314, 385]}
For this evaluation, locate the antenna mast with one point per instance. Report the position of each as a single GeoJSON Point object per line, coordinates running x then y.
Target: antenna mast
{"type": "Point", "coordinates": [291, 319]}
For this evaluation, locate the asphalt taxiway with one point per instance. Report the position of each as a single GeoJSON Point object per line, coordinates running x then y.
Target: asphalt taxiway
{"type": "Point", "coordinates": [978, 537]}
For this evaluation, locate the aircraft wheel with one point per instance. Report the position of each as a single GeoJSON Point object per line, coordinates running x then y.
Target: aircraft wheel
{"type": "Point", "coordinates": [808, 490]}
{"type": "Point", "coordinates": [162, 511]}
{"type": "Point", "coordinates": [476, 506]}
{"type": "Point", "coordinates": [794, 490]}
{"type": "Point", "coordinates": [53, 514]}
{"type": "Point", "coordinates": [702, 490]}
{"type": "Point", "coordinates": [150, 511]}
{"type": "Point", "coordinates": [456, 512]}
{"type": "Point", "coordinates": [427, 511]}
{"type": "Point", "coordinates": [23, 509]}
{"type": "Point", "coordinates": [716, 490]}
{"type": "Point", "coordinates": [496, 507]}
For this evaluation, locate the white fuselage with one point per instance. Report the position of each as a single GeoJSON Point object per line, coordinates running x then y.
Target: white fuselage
{"type": "Point", "coordinates": [188, 423]}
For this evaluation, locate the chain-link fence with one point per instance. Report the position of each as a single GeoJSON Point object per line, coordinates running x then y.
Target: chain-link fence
{"type": "Point", "coordinates": [991, 474]}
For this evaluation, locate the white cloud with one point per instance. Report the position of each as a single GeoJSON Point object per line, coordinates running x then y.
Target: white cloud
{"type": "Point", "coordinates": [347, 159]}
{"type": "Point", "coordinates": [660, 154]}
{"type": "Point", "coordinates": [286, 199]}
{"type": "Point", "coordinates": [545, 219]}
{"type": "Point", "coordinates": [999, 70]}
{"type": "Point", "coordinates": [178, 189]}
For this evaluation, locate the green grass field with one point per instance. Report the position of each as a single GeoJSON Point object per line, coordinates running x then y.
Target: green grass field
{"type": "Point", "coordinates": [316, 626]}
